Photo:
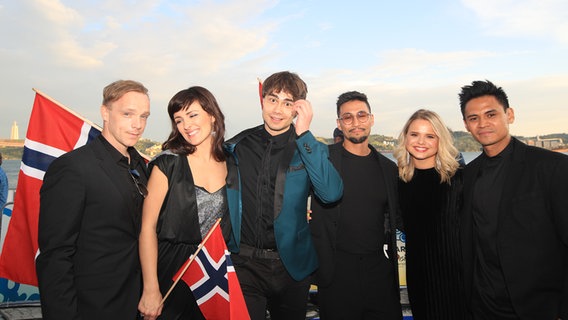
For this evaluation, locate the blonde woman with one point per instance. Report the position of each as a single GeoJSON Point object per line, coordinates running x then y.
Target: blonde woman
{"type": "Point", "coordinates": [430, 196]}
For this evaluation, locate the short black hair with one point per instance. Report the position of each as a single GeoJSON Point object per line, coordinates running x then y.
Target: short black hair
{"type": "Point", "coordinates": [350, 96]}
{"type": "Point", "coordinates": [479, 89]}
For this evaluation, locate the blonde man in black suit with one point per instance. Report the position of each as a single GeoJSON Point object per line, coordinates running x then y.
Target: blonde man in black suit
{"type": "Point", "coordinates": [90, 211]}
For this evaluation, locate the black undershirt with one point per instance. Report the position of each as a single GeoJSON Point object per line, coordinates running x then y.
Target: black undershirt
{"type": "Point", "coordinates": [361, 224]}
{"type": "Point", "coordinates": [490, 296]}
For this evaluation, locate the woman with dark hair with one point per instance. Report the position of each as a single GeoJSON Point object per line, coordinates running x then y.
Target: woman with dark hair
{"type": "Point", "coordinates": [186, 195]}
{"type": "Point", "coordinates": [430, 187]}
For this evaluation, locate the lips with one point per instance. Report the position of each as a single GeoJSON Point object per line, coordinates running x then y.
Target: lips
{"type": "Point", "coordinates": [484, 133]}
{"type": "Point", "coordinates": [276, 119]}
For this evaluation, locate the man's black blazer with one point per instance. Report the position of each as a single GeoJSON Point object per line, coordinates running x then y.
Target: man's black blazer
{"type": "Point", "coordinates": [532, 235]}
{"type": "Point", "coordinates": [88, 266]}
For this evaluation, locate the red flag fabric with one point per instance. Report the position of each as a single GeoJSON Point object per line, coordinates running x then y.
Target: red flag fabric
{"type": "Point", "coordinates": [260, 91]}
{"type": "Point", "coordinates": [212, 279]}
{"type": "Point", "coordinates": [52, 131]}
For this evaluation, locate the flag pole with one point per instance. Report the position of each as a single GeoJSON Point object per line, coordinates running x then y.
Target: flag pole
{"type": "Point", "coordinates": [191, 259]}
{"type": "Point", "coordinates": [67, 109]}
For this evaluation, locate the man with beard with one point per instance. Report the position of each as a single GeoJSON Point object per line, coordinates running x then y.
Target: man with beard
{"type": "Point", "coordinates": [355, 237]}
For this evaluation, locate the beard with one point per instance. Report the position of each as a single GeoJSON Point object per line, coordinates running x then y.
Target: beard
{"type": "Point", "coordinates": [359, 140]}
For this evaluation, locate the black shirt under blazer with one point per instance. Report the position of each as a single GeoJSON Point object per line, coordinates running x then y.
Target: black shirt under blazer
{"type": "Point", "coordinates": [326, 217]}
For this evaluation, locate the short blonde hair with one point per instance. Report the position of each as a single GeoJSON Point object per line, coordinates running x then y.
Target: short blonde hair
{"type": "Point", "coordinates": [117, 89]}
{"type": "Point", "coordinates": [446, 158]}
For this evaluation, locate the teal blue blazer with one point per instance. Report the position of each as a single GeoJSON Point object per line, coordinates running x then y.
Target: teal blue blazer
{"type": "Point", "coordinates": [308, 169]}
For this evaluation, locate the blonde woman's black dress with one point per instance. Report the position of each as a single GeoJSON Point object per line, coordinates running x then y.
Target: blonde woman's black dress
{"type": "Point", "coordinates": [430, 212]}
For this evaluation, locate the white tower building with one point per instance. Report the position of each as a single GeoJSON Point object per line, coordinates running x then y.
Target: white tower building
{"type": "Point", "coordinates": [14, 133]}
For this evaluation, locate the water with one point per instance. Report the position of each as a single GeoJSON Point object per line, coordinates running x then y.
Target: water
{"type": "Point", "coordinates": [12, 168]}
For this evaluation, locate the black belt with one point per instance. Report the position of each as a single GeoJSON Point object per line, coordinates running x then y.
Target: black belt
{"type": "Point", "coordinates": [253, 252]}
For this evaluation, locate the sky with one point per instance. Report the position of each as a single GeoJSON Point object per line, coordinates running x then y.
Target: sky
{"type": "Point", "coordinates": [404, 55]}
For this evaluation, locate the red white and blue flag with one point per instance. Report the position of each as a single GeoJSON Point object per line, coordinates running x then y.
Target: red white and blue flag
{"type": "Point", "coordinates": [212, 279]}
{"type": "Point", "coordinates": [52, 131]}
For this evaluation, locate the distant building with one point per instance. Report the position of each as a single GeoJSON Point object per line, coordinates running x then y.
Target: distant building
{"type": "Point", "coordinates": [14, 135]}
{"type": "Point", "coordinates": [550, 144]}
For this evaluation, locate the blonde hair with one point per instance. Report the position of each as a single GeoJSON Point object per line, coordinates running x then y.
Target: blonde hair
{"type": "Point", "coordinates": [117, 89]}
{"type": "Point", "coordinates": [446, 158]}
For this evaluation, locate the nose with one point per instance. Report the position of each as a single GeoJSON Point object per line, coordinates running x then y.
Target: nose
{"type": "Point", "coordinates": [281, 105]}
{"type": "Point", "coordinates": [482, 121]}
{"type": "Point", "coordinates": [355, 121]}
{"type": "Point", "coordinates": [420, 140]}
{"type": "Point", "coordinates": [136, 122]}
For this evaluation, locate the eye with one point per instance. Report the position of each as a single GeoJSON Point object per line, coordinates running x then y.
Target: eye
{"type": "Point", "coordinates": [288, 104]}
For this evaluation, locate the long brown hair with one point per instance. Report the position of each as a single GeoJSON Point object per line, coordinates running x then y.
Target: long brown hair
{"type": "Point", "coordinates": [181, 101]}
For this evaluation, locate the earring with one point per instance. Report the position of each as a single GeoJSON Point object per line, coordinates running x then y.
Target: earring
{"type": "Point", "coordinates": [213, 133]}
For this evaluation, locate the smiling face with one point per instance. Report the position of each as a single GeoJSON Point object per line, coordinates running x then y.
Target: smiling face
{"type": "Point", "coordinates": [194, 124]}
{"type": "Point", "coordinates": [422, 144]}
{"type": "Point", "coordinates": [125, 120]}
{"type": "Point", "coordinates": [278, 112]}
{"type": "Point", "coordinates": [488, 122]}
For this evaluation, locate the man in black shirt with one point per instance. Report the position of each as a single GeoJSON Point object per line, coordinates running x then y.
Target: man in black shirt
{"type": "Point", "coordinates": [90, 214]}
{"type": "Point", "coordinates": [515, 222]}
{"type": "Point", "coordinates": [355, 237]}
{"type": "Point", "coordinates": [278, 164]}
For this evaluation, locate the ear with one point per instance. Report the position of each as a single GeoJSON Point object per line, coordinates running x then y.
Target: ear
{"type": "Point", "coordinates": [105, 113]}
{"type": "Point", "coordinates": [510, 115]}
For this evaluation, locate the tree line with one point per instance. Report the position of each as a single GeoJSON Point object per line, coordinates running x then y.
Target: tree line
{"type": "Point", "coordinates": [462, 140]}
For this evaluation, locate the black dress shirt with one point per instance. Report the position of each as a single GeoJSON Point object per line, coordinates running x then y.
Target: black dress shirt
{"type": "Point", "coordinates": [259, 157]}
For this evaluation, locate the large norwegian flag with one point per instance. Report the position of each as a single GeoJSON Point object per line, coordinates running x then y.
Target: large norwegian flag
{"type": "Point", "coordinates": [212, 279]}
{"type": "Point", "coordinates": [52, 131]}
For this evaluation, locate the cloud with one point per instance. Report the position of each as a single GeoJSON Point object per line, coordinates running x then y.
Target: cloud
{"type": "Point", "coordinates": [518, 18]}
{"type": "Point", "coordinates": [405, 63]}
{"type": "Point", "coordinates": [71, 49]}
